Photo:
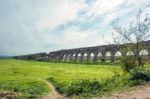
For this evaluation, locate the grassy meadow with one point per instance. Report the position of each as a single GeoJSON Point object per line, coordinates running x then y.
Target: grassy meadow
{"type": "Point", "coordinates": [27, 78]}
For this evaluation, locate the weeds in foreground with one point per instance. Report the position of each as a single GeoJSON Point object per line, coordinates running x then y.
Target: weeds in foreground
{"type": "Point", "coordinates": [88, 88]}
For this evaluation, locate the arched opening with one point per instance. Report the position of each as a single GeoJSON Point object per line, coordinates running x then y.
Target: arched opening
{"type": "Point", "coordinates": [144, 55]}
{"type": "Point", "coordinates": [64, 58]}
{"type": "Point", "coordinates": [73, 56]}
{"type": "Point", "coordinates": [129, 53]}
{"type": "Point", "coordinates": [108, 56]}
{"type": "Point", "coordinates": [118, 56]}
{"type": "Point", "coordinates": [99, 56]}
{"type": "Point", "coordinates": [91, 57]}
{"type": "Point", "coordinates": [68, 58]}
{"type": "Point", "coordinates": [79, 57]}
{"type": "Point", "coordinates": [85, 56]}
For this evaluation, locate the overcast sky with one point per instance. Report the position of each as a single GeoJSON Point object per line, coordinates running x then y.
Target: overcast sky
{"type": "Point", "coordinates": [31, 26]}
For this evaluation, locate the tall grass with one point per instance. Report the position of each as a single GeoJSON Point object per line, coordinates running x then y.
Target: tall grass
{"type": "Point", "coordinates": [26, 78]}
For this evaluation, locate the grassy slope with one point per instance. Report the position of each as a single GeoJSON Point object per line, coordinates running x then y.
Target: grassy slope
{"type": "Point", "coordinates": [26, 77]}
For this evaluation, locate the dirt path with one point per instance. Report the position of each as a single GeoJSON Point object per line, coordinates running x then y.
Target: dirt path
{"type": "Point", "coordinates": [53, 94]}
{"type": "Point", "coordinates": [140, 92]}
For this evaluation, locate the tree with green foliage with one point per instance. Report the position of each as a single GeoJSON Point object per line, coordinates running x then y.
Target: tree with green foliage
{"type": "Point", "coordinates": [133, 36]}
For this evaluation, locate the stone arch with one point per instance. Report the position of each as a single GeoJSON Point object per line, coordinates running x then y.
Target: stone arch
{"type": "Point", "coordinates": [118, 55]}
{"type": "Point", "coordinates": [144, 55]}
{"type": "Point", "coordinates": [56, 57]}
{"type": "Point", "coordinates": [79, 57]}
{"type": "Point", "coordinates": [73, 57]}
{"type": "Point", "coordinates": [68, 58]}
{"type": "Point", "coordinates": [85, 56]}
{"type": "Point", "coordinates": [92, 55]}
{"type": "Point", "coordinates": [64, 58]}
{"type": "Point", "coordinates": [99, 56]}
{"type": "Point", "coordinates": [108, 56]}
{"type": "Point", "coordinates": [130, 53]}
{"type": "Point", "coordinates": [61, 57]}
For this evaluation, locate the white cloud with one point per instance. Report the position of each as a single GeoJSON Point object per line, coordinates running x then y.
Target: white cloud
{"type": "Point", "coordinates": [62, 12]}
{"type": "Point", "coordinates": [102, 7]}
{"type": "Point", "coordinates": [114, 15]}
{"type": "Point", "coordinates": [71, 37]}
{"type": "Point", "coordinates": [36, 23]}
{"type": "Point", "coordinates": [109, 10]}
{"type": "Point", "coordinates": [75, 36]}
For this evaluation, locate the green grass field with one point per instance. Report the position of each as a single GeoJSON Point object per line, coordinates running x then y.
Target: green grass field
{"type": "Point", "coordinates": [26, 77]}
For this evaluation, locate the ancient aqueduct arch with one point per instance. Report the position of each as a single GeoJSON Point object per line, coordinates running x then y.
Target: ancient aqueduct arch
{"type": "Point", "coordinates": [94, 54]}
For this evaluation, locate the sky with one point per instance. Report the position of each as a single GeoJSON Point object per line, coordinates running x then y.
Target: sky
{"type": "Point", "coordinates": [33, 26]}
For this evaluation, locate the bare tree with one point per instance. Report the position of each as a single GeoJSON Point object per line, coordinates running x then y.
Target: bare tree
{"type": "Point", "coordinates": [133, 35]}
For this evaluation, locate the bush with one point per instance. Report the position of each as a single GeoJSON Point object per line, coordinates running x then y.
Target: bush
{"type": "Point", "coordinates": [91, 87]}
{"type": "Point", "coordinates": [115, 83]}
{"type": "Point", "coordinates": [140, 75]}
{"type": "Point", "coordinates": [103, 60]}
{"type": "Point", "coordinates": [128, 63]}
{"type": "Point", "coordinates": [84, 86]}
{"type": "Point", "coordinates": [78, 87]}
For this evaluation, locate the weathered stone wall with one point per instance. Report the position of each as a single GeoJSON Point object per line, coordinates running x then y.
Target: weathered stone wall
{"type": "Point", "coordinates": [94, 54]}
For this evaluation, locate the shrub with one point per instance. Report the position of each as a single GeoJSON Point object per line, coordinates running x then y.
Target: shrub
{"type": "Point", "coordinates": [128, 63]}
{"type": "Point", "coordinates": [116, 82]}
{"type": "Point", "coordinates": [140, 75]}
{"type": "Point", "coordinates": [103, 60]}
{"type": "Point", "coordinates": [31, 57]}
{"type": "Point", "coordinates": [84, 86]}
{"type": "Point", "coordinates": [91, 87]}
{"type": "Point", "coordinates": [78, 87]}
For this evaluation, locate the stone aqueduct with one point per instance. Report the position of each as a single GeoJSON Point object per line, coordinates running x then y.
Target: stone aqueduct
{"type": "Point", "coordinates": [94, 54]}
